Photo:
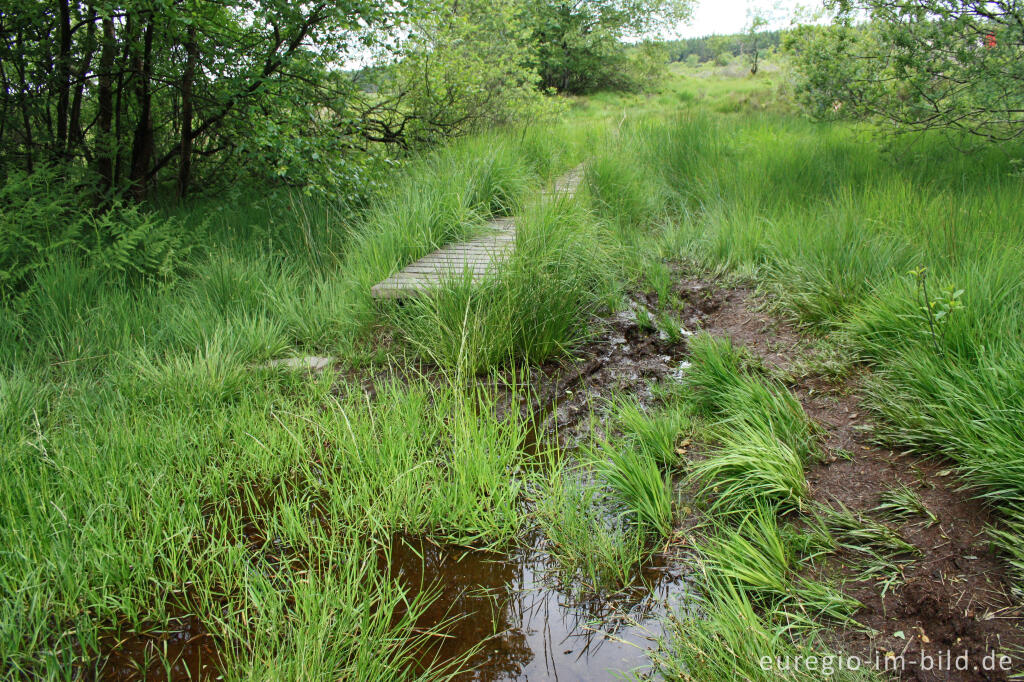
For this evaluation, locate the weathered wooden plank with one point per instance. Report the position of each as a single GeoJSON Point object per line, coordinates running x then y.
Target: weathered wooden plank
{"type": "Point", "coordinates": [476, 258]}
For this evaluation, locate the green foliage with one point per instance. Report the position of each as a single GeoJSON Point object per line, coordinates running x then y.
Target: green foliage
{"type": "Point", "coordinates": [42, 218]}
{"type": "Point", "coordinates": [749, 465]}
{"type": "Point", "coordinates": [578, 47]}
{"type": "Point", "coordinates": [130, 241]}
{"type": "Point", "coordinates": [948, 65]}
{"type": "Point", "coordinates": [656, 432]}
{"type": "Point", "coordinates": [39, 216]}
{"type": "Point", "coordinates": [695, 51]}
{"type": "Point", "coordinates": [466, 66]}
{"type": "Point", "coordinates": [213, 88]}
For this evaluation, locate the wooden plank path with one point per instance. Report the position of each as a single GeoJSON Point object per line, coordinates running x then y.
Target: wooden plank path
{"type": "Point", "coordinates": [477, 257]}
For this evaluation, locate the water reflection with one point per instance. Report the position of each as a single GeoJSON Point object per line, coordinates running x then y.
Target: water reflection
{"type": "Point", "coordinates": [525, 628]}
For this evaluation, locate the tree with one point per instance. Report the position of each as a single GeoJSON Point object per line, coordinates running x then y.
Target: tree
{"type": "Point", "coordinates": [756, 21]}
{"type": "Point", "coordinates": [144, 90]}
{"type": "Point", "coordinates": [918, 64]}
{"type": "Point", "coordinates": [578, 46]}
{"type": "Point", "coordinates": [465, 64]}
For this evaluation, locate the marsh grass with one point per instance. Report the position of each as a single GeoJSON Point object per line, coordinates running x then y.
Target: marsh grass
{"type": "Point", "coordinates": [144, 417]}
{"type": "Point", "coordinates": [757, 558]}
{"type": "Point", "coordinates": [141, 441]}
{"type": "Point", "coordinates": [750, 464]}
{"type": "Point", "coordinates": [727, 389]}
{"type": "Point", "coordinates": [902, 502]}
{"type": "Point", "coordinates": [751, 562]}
{"type": "Point", "coordinates": [592, 549]}
{"type": "Point", "coordinates": [654, 432]}
{"type": "Point", "coordinates": [829, 224]}
{"type": "Point", "coordinates": [538, 305]}
{"type": "Point", "coordinates": [726, 638]}
{"type": "Point", "coordinates": [636, 482]}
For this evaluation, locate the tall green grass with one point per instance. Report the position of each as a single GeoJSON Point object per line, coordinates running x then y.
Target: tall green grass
{"type": "Point", "coordinates": [142, 440]}
{"type": "Point", "coordinates": [829, 223]}
{"type": "Point", "coordinates": [139, 427]}
{"type": "Point", "coordinates": [538, 304]}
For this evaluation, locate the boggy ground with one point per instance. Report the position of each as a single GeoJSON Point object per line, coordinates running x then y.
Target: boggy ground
{"type": "Point", "coordinates": [952, 596]}
{"type": "Point", "coordinates": [955, 595]}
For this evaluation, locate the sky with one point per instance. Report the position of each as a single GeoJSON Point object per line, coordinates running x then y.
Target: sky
{"type": "Point", "coordinates": [730, 16]}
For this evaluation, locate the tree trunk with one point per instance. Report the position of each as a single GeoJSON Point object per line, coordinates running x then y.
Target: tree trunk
{"type": "Point", "coordinates": [75, 134]}
{"type": "Point", "coordinates": [26, 117]}
{"type": "Point", "coordinates": [63, 79]}
{"type": "Point", "coordinates": [142, 144]}
{"type": "Point", "coordinates": [105, 146]}
{"type": "Point", "coordinates": [185, 165]}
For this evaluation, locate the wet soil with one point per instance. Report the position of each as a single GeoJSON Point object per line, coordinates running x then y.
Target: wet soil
{"type": "Point", "coordinates": [624, 357]}
{"type": "Point", "coordinates": [182, 650]}
{"type": "Point", "coordinates": [510, 618]}
{"type": "Point", "coordinates": [955, 597]}
{"type": "Point", "coordinates": [506, 618]}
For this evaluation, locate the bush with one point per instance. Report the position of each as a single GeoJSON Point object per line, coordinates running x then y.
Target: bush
{"type": "Point", "coordinates": [136, 243]}
{"type": "Point", "coordinates": [38, 216]}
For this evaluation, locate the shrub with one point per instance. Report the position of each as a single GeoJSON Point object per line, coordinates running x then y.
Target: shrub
{"type": "Point", "coordinates": [38, 215]}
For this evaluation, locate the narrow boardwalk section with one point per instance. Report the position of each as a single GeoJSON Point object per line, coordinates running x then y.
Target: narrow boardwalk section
{"type": "Point", "coordinates": [481, 256]}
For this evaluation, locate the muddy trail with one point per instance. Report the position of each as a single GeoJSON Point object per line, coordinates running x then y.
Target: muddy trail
{"type": "Point", "coordinates": [952, 593]}
{"type": "Point", "coordinates": [507, 616]}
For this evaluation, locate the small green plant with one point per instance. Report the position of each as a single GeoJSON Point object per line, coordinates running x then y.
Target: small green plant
{"type": "Point", "coordinates": [591, 550]}
{"type": "Point", "coordinates": [751, 465]}
{"type": "Point", "coordinates": [936, 310]}
{"type": "Point", "coordinates": [861, 534]}
{"type": "Point", "coordinates": [654, 432]}
{"type": "Point", "coordinates": [637, 484]}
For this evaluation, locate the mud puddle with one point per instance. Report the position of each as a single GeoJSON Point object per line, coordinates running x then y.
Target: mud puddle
{"type": "Point", "coordinates": [507, 614]}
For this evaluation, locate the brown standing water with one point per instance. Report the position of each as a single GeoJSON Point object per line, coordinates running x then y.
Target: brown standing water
{"type": "Point", "coordinates": [525, 626]}
{"type": "Point", "coordinates": [184, 650]}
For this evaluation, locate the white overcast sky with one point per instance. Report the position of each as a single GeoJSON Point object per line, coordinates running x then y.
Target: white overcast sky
{"type": "Point", "coordinates": [730, 16]}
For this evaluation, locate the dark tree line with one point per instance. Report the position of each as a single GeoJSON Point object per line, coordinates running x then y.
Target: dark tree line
{"type": "Point", "coordinates": [130, 96]}
{"type": "Point", "coordinates": [147, 90]}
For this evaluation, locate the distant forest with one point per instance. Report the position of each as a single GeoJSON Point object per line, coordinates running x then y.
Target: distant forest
{"type": "Point", "coordinates": [708, 48]}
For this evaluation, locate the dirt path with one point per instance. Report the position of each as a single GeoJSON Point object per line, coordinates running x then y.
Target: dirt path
{"type": "Point", "coordinates": [953, 597]}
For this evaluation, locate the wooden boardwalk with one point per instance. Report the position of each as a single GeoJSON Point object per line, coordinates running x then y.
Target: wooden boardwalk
{"type": "Point", "coordinates": [480, 257]}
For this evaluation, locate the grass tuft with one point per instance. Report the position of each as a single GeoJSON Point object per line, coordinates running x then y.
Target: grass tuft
{"type": "Point", "coordinates": [636, 482]}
